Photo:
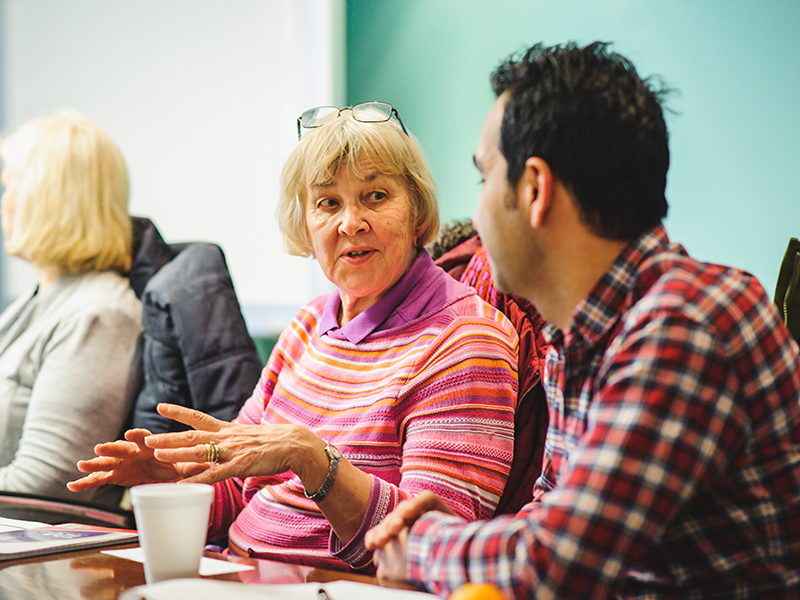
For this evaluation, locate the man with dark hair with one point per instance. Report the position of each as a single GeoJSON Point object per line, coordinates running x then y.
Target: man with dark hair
{"type": "Point", "coordinates": [672, 461]}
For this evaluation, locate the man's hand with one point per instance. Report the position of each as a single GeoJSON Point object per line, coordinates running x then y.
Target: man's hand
{"type": "Point", "coordinates": [389, 538]}
{"type": "Point", "coordinates": [391, 560]}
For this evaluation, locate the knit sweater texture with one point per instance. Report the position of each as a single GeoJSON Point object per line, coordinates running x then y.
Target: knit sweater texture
{"type": "Point", "coordinates": [425, 404]}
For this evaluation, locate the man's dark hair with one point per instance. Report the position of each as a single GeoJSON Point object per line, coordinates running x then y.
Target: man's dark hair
{"type": "Point", "coordinates": [599, 126]}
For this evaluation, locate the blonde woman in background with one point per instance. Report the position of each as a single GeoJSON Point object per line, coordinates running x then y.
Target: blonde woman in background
{"type": "Point", "coordinates": [66, 345]}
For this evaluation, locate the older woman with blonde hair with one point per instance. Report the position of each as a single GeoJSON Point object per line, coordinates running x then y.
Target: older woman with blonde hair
{"type": "Point", "coordinates": [400, 380]}
{"type": "Point", "coordinates": [66, 345]}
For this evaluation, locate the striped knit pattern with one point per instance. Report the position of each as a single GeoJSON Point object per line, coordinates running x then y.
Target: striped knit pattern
{"type": "Point", "coordinates": [429, 405]}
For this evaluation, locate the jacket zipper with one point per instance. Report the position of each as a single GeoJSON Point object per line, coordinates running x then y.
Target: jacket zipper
{"type": "Point", "coordinates": [792, 282]}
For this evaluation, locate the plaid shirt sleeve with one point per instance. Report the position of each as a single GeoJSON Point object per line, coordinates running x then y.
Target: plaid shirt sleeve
{"type": "Point", "coordinates": [649, 431]}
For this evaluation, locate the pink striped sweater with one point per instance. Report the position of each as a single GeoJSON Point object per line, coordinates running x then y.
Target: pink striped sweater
{"type": "Point", "coordinates": [427, 404]}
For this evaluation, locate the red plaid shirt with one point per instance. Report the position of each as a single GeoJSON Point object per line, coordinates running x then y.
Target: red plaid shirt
{"type": "Point", "coordinates": [672, 463]}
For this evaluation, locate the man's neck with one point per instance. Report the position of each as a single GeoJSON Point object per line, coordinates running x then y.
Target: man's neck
{"type": "Point", "coordinates": [576, 268]}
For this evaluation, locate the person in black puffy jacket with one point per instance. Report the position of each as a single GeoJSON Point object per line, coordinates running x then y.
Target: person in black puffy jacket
{"type": "Point", "coordinates": [195, 350]}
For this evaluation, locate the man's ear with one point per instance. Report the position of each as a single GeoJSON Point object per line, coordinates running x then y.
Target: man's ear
{"type": "Point", "coordinates": [535, 190]}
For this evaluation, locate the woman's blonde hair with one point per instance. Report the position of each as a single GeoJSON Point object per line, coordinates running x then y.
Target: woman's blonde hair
{"type": "Point", "coordinates": [72, 201]}
{"type": "Point", "coordinates": [341, 142]}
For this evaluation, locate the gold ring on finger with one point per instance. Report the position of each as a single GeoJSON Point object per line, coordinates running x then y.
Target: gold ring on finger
{"type": "Point", "coordinates": [212, 452]}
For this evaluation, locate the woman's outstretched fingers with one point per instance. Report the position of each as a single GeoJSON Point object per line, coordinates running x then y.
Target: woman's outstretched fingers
{"type": "Point", "coordinates": [98, 464]}
{"type": "Point", "coordinates": [89, 482]}
{"type": "Point", "coordinates": [202, 473]}
{"type": "Point", "coordinates": [189, 416]}
{"type": "Point", "coordinates": [136, 436]}
{"type": "Point", "coordinates": [109, 455]}
{"type": "Point", "coordinates": [174, 451]}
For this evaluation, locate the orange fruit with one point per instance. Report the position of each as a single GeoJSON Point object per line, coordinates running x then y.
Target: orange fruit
{"type": "Point", "coordinates": [477, 591]}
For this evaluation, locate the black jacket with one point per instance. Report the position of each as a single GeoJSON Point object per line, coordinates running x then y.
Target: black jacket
{"type": "Point", "coordinates": [787, 290]}
{"type": "Point", "coordinates": [195, 348]}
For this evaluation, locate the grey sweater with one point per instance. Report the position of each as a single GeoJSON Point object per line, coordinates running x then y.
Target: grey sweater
{"type": "Point", "coordinates": [65, 357]}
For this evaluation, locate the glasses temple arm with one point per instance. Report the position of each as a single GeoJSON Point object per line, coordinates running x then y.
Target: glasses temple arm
{"type": "Point", "coordinates": [397, 116]}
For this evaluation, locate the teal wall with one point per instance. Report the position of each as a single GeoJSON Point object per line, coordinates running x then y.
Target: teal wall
{"type": "Point", "coordinates": [734, 183]}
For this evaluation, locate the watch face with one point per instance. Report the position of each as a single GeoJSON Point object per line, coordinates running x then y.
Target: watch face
{"type": "Point", "coordinates": [333, 451]}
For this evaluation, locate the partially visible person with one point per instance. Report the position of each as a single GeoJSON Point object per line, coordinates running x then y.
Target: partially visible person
{"type": "Point", "coordinates": [66, 345]}
{"type": "Point", "coordinates": [196, 350]}
{"type": "Point", "coordinates": [399, 381]}
{"type": "Point", "coordinates": [672, 459]}
{"type": "Point", "coordinates": [460, 253]}
{"type": "Point", "coordinates": [449, 237]}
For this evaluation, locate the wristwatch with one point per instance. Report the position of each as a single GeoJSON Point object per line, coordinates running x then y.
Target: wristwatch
{"type": "Point", "coordinates": [333, 466]}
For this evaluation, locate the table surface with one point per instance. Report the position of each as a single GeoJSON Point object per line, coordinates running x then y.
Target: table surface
{"type": "Point", "coordinates": [90, 574]}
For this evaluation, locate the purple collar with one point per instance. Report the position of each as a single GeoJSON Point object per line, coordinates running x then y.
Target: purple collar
{"type": "Point", "coordinates": [422, 287]}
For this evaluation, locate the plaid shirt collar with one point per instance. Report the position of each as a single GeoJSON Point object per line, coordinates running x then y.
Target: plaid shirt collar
{"type": "Point", "coordinates": [595, 315]}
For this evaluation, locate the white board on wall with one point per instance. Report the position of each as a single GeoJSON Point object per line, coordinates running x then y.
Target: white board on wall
{"type": "Point", "coordinates": [202, 98]}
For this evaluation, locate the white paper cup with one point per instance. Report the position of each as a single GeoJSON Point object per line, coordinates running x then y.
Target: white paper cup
{"type": "Point", "coordinates": [172, 520]}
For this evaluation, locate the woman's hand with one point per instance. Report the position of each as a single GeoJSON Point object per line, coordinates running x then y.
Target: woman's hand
{"type": "Point", "coordinates": [261, 451]}
{"type": "Point", "coordinates": [125, 463]}
{"type": "Point", "coordinates": [243, 450]}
